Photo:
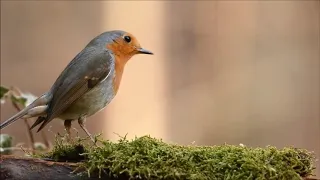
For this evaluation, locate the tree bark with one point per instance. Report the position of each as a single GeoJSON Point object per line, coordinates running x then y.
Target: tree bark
{"type": "Point", "coordinates": [19, 168]}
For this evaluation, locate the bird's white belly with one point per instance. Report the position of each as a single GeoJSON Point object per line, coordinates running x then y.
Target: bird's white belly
{"type": "Point", "coordinates": [91, 102]}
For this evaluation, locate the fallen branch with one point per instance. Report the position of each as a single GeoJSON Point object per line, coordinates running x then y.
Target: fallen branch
{"type": "Point", "coordinates": [14, 168]}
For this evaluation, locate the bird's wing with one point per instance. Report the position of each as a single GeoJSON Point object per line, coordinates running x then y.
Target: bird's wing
{"type": "Point", "coordinates": [83, 73]}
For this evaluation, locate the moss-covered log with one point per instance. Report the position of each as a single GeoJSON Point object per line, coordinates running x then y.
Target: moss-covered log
{"type": "Point", "coordinates": [148, 158]}
{"type": "Point", "coordinates": [13, 168]}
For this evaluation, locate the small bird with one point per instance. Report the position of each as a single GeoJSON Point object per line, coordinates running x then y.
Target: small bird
{"type": "Point", "coordinates": [88, 83]}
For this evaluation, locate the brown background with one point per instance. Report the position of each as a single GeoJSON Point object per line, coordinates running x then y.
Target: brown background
{"type": "Point", "coordinates": [235, 71]}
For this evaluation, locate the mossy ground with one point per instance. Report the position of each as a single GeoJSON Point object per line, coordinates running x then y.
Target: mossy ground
{"type": "Point", "coordinates": [150, 158]}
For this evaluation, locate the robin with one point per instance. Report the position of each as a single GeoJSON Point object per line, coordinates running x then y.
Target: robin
{"type": "Point", "coordinates": [88, 83]}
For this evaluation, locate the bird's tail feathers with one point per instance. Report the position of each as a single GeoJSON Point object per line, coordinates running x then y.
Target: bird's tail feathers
{"type": "Point", "coordinates": [37, 122]}
{"type": "Point", "coordinates": [41, 101]}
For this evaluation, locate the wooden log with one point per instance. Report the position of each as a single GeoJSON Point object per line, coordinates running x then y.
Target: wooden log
{"type": "Point", "coordinates": [20, 168]}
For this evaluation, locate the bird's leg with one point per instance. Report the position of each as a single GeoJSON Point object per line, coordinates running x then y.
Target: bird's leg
{"type": "Point", "coordinates": [67, 125]}
{"type": "Point", "coordinates": [81, 122]}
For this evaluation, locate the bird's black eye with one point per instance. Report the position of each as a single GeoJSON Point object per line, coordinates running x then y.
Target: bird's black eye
{"type": "Point", "coordinates": [127, 39]}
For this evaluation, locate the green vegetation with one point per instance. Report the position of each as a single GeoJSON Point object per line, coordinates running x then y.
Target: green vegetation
{"type": "Point", "coordinates": [149, 158]}
{"type": "Point", "coordinates": [66, 152]}
{"type": "Point", "coordinates": [19, 101]}
{"type": "Point", "coordinates": [5, 144]}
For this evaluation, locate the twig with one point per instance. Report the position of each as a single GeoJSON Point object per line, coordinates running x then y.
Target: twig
{"type": "Point", "coordinates": [31, 138]}
{"type": "Point", "coordinates": [28, 126]}
{"type": "Point", "coordinates": [43, 134]}
{"type": "Point", "coordinates": [19, 149]}
{"type": "Point", "coordinates": [45, 139]}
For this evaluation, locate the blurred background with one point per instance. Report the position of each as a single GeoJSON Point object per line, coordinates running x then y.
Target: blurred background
{"type": "Point", "coordinates": [223, 71]}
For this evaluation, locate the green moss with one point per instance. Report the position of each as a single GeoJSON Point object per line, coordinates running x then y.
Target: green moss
{"type": "Point", "coordinates": [66, 152]}
{"type": "Point", "coordinates": [149, 158]}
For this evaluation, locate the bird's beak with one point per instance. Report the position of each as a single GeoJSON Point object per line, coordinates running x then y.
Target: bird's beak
{"type": "Point", "coordinates": [144, 51]}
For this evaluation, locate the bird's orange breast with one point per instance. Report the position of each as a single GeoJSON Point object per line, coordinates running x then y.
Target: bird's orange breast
{"type": "Point", "coordinates": [121, 59]}
{"type": "Point", "coordinates": [119, 67]}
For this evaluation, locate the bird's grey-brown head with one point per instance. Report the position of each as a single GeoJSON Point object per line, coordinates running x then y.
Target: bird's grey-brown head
{"type": "Point", "coordinates": [121, 43]}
